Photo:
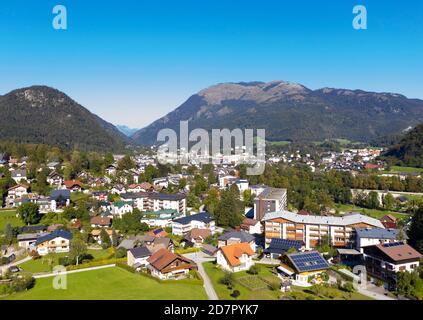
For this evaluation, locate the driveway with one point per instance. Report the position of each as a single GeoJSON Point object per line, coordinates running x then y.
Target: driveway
{"type": "Point", "coordinates": [14, 263]}
{"type": "Point", "coordinates": [199, 258]}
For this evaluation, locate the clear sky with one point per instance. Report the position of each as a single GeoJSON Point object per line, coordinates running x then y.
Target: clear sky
{"type": "Point", "coordinates": [133, 61]}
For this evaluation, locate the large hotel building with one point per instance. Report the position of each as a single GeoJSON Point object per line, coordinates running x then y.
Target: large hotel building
{"type": "Point", "coordinates": [310, 228]}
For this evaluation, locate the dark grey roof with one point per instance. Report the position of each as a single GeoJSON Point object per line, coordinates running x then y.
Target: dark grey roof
{"type": "Point", "coordinates": [64, 194]}
{"type": "Point", "coordinates": [140, 252]}
{"type": "Point", "coordinates": [127, 244]}
{"type": "Point", "coordinates": [377, 233]}
{"type": "Point", "coordinates": [203, 216]}
{"type": "Point", "coordinates": [242, 235]}
{"type": "Point", "coordinates": [283, 245]}
{"type": "Point", "coordinates": [57, 233]}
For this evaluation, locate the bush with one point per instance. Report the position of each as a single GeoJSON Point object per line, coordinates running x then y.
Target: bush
{"type": "Point", "coordinates": [17, 284]}
{"type": "Point", "coordinates": [254, 269]}
{"type": "Point", "coordinates": [227, 279]}
{"type": "Point", "coordinates": [235, 294]}
{"type": "Point", "coordinates": [348, 287]}
{"type": "Point", "coordinates": [121, 253]}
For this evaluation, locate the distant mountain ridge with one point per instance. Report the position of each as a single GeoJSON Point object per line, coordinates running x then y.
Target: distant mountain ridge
{"type": "Point", "coordinates": [41, 114]}
{"type": "Point", "coordinates": [127, 131]}
{"type": "Point", "coordinates": [290, 111]}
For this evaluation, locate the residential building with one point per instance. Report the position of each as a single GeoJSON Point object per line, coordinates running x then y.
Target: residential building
{"type": "Point", "coordinates": [27, 240]}
{"type": "Point", "coordinates": [279, 247]}
{"type": "Point", "coordinates": [164, 264]}
{"type": "Point", "coordinates": [19, 175]}
{"type": "Point", "coordinates": [365, 237]}
{"type": "Point", "coordinates": [311, 229]}
{"type": "Point", "coordinates": [17, 191]}
{"type": "Point", "coordinates": [155, 201]}
{"type": "Point", "coordinates": [203, 220]}
{"type": "Point", "coordinates": [270, 200]}
{"type": "Point", "coordinates": [235, 257]}
{"type": "Point", "coordinates": [101, 222]}
{"type": "Point", "coordinates": [55, 178]}
{"type": "Point", "coordinates": [302, 265]}
{"type": "Point", "coordinates": [59, 199]}
{"type": "Point", "coordinates": [57, 241]}
{"type": "Point", "coordinates": [233, 237]}
{"type": "Point", "coordinates": [251, 226]}
{"type": "Point", "coordinates": [389, 221]}
{"type": "Point", "coordinates": [120, 208]}
{"type": "Point", "coordinates": [196, 237]}
{"type": "Point", "coordinates": [73, 185]}
{"type": "Point", "coordinates": [384, 261]}
{"type": "Point", "coordinates": [161, 218]}
{"type": "Point", "coordinates": [137, 257]}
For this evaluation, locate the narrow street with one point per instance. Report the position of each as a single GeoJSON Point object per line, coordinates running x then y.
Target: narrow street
{"type": "Point", "coordinates": [199, 258]}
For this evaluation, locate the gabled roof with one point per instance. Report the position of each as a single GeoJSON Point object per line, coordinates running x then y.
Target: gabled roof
{"type": "Point", "coordinates": [140, 252]}
{"type": "Point", "coordinates": [101, 221]}
{"type": "Point", "coordinates": [203, 217]}
{"type": "Point", "coordinates": [71, 183]}
{"type": "Point", "coordinates": [197, 233]}
{"type": "Point", "coordinates": [235, 251]}
{"type": "Point", "coordinates": [241, 235]}
{"type": "Point", "coordinates": [308, 261]}
{"type": "Point", "coordinates": [55, 234]}
{"type": "Point", "coordinates": [399, 251]}
{"type": "Point", "coordinates": [377, 233]}
{"type": "Point", "coordinates": [350, 219]}
{"type": "Point", "coordinates": [163, 257]}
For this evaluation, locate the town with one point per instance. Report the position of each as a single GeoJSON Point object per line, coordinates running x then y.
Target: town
{"type": "Point", "coordinates": [296, 232]}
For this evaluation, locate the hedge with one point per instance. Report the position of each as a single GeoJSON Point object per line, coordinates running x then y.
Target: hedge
{"type": "Point", "coordinates": [144, 274]}
{"type": "Point", "coordinates": [96, 263]}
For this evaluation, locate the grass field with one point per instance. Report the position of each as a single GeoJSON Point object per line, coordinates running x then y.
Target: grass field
{"type": "Point", "coordinates": [114, 284]}
{"type": "Point", "coordinates": [257, 293]}
{"type": "Point", "coordinates": [9, 216]}
{"type": "Point", "coordinates": [76, 196]}
{"type": "Point", "coordinates": [406, 169]}
{"type": "Point", "coordinates": [46, 263]}
{"type": "Point", "coordinates": [374, 213]}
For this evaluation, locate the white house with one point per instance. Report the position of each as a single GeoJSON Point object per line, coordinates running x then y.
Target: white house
{"type": "Point", "coordinates": [137, 257]}
{"type": "Point", "coordinates": [365, 237]}
{"type": "Point", "coordinates": [203, 220]}
{"type": "Point", "coordinates": [17, 191]}
{"type": "Point", "coordinates": [235, 257]}
{"type": "Point", "coordinates": [120, 208]}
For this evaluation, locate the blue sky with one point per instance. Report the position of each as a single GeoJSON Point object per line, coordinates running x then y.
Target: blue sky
{"type": "Point", "coordinates": [133, 61]}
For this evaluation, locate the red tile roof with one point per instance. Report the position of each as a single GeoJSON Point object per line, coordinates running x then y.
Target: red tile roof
{"type": "Point", "coordinates": [233, 252]}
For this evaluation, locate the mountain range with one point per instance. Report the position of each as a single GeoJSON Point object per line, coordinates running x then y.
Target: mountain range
{"type": "Point", "coordinates": [292, 112]}
{"type": "Point", "coordinates": [41, 114]}
{"type": "Point", "coordinates": [127, 131]}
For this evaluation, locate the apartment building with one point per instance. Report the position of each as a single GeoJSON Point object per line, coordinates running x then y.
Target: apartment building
{"type": "Point", "coordinates": [155, 201]}
{"type": "Point", "coordinates": [269, 200]}
{"type": "Point", "coordinates": [312, 229]}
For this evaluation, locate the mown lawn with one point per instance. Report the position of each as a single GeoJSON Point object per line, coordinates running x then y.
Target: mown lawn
{"type": "Point", "coordinates": [406, 169]}
{"type": "Point", "coordinates": [297, 293]}
{"type": "Point", "coordinates": [9, 216]}
{"type": "Point", "coordinates": [374, 213]}
{"type": "Point", "coordinates": [114, 284]}
{"type": "Point", "coordinates": [47, 263]}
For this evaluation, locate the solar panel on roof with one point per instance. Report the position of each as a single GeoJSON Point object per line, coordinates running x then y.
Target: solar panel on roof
{"type": "Point", "coordinates": [394, 244]}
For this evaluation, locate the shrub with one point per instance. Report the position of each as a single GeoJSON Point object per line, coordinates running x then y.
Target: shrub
{"type": "Point", "coordinates": [227, 279]}
{"type": "Point", "coordinates": [121, 253]}
{"type": "Point", "coordinates": [254, 269]}
{"type": "Point", "coordinates": [235, 294]}
{"type": "Point", "coordinates": [348, 287]}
